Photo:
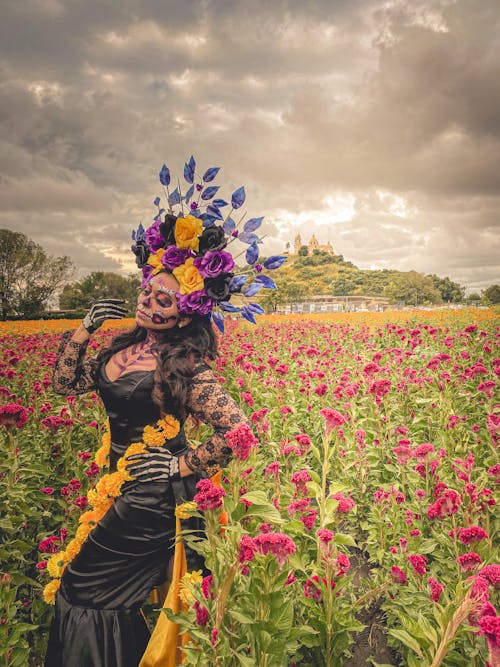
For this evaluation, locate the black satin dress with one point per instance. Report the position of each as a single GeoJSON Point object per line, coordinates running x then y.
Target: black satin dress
{"type": "Point", "coordinates": [97, 620]}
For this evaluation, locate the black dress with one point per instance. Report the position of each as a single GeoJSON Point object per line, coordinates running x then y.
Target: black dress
{"type": "Point", "coordinates": [97, 620]}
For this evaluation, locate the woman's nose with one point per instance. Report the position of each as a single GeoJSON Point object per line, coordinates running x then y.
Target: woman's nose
{"type": "Point", "coordinates": [146, 301]}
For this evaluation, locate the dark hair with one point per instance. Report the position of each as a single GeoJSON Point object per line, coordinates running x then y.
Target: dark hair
{"type": "Point", "coordinates": [177, 351]}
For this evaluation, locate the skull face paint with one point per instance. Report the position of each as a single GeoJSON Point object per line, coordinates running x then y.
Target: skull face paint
{"type": "Point", "coordinates": [157, 305]}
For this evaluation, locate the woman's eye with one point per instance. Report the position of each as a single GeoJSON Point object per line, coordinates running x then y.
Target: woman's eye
{"type": "Point", "coordinates": [164, 303]}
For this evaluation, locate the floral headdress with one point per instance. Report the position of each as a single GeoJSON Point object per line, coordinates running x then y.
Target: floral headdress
{"type": "Point", "coordinates": [192, 244]}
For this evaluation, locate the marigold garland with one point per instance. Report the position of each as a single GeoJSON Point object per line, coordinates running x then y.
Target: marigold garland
{"type": "Point", "coordinates": [103, 495]}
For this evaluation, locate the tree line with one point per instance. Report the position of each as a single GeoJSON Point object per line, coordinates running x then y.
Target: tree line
{"type": "Point", "coordinates": [31, 281]}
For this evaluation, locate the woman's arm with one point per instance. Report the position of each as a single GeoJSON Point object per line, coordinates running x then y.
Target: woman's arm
{"type": "Point", "coordinates": [210, 403]}
{"type": "Point", "coordinates": [73, 375]}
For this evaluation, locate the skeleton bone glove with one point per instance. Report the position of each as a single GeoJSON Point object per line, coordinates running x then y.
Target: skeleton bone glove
{"type": "Point", "coordinates": [155, 465]}
{"type": "Point", "coordinates": [102, 310]}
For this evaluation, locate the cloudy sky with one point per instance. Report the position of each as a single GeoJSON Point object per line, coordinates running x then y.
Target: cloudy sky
{"type": "Point", "coordinates": [375, 125]}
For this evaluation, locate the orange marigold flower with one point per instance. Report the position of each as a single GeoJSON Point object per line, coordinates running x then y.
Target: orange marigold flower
{"type": "Point", "coordinates": [72, 550]}
{"type": "Point", "coordinates": [153, 437]}
{"type": "Point", "coordinates": [102, 455]}
{"type": "Point", "coordinates": [170, 426]}
{"type": "Point", "coordinates": [50, 590]}
{"type": "Point", "coordinates": [91, 517]}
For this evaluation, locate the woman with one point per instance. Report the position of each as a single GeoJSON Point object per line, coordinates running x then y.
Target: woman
{"type": "Point", "coordinates": [158, 368]}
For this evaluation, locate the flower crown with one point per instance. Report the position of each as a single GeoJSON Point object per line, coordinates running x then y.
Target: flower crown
{"type": "Point", "coordinates": [192, 244]}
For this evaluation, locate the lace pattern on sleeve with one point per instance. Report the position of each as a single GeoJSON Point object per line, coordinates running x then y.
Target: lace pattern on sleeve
{"type": "Point", "coordinates": [210, 403]}
{"type": "Point", "coordinates": [71, 374]}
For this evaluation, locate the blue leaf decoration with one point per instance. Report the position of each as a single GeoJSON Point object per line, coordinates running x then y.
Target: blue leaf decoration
{"type": "Point", "coordinates": [228, 307]}
{"type": "Point", "coordinates": [252, 224]}
{"type": "Point", "coordinates": [197, 213]}
{"type": "Point", "coordinates": [175, 197]}
{"type": "Point", "coordinates": [238, 197]}
{"type": "Point", "coordinates": [189, 194]}
{"type": "Point", "coordinates": [209, 192]}
{"type": "Point", "coordinates": [252, 254]}
{"type": "Point", "coordinates": [252, 289]}
{"type": "Point", "coordinates": [266, 281]}
{"type": "Point", "coordinates": [214, 212]}
{"type": "Point", "coordinates": [255, 308]}
{"type": "Point", "coordinates": [162, 210]}
{"type": "Point", "coordinates": [248, 237]}
{"type": "Point", "coordinates": [207, 219]}
{"type": "Point", "coordinates": [229, 226]}
{"type": "Point", "coordinates": [189, 168]}
{"type": "Point", "coordinates": [274, 262]}
{"type": "Point", "coordinates": [218, 318]}
{"type": "Point", "coordinates": [210, 174]}
{"type": "Point", "coordinates": [157, 201]}
{"type": "Point", "coordinates": [165, 175]}
{"type": "Point", "coordinates": [248, 315]}
{"type": "Point", "coordinates": [219, 203]}
{"type": "Point", "coordinates": [237, 282]}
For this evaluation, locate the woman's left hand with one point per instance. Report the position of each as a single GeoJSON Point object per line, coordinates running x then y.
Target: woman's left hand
{"type": "Point", "coordinates": [155, 465]}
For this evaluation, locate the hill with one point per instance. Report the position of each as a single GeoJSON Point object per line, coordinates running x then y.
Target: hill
{"type": "Point", "coordinates": [321, 274]}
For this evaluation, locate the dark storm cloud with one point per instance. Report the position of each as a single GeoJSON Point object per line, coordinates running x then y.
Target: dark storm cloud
{"type": "Point", "coordinates": [393, 105]}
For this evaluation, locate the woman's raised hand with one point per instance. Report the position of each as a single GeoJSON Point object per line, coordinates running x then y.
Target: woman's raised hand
{"type": "Point", "coordinates": [102, 310]}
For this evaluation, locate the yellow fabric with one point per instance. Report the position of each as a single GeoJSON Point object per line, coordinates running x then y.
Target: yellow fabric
{"type": "Point", "coordinates": [164, 647]}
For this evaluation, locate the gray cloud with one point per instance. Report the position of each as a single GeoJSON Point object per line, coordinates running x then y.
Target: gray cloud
{"type": "Point", "coordinates": [375, 124]}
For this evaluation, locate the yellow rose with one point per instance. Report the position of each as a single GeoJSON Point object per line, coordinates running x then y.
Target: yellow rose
{"type": "Point", "coordinates": [154, 260]}
{"type": "Point", "coordinates": [187, 231]}
{"type": "Point", "coordinates": [188, 277]}
{"type": "Point", "coordinates": [56, 564]}
{"type": "Point", "coordinates": [50, 590]}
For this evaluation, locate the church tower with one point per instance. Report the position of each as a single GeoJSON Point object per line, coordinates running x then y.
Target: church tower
{"type": "Point", "coordinates": [297, 244]}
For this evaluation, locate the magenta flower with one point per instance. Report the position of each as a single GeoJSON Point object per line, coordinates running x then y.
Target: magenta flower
{"type": "Point", "coordinates": [333, 419]}
{"type": "Point", "coordinates": [281, 546]}
{"type": "Point", "coordinates": [435, 589]}
{"type": "Point", "coordinates": [418, 563]}
{"type": "Point", "coordinates": [241, 440]}
{"type": "Point", "coordinates": [469, 561]}
{"type": "Point", "coordinates": [472, 534]}
{"type": "Point", "coordinates": [209, 496]}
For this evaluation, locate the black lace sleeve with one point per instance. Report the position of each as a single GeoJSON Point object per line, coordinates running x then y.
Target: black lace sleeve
{"type": "Point", "coordinates": [210, 403]}
{"type": "Point", "coordinates": [73, 375]}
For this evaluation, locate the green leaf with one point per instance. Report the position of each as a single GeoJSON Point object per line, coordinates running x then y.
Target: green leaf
{"type": "Point", "coordinates": [407, 640]}
{"type": "Point", "coordinates": [345, 539]}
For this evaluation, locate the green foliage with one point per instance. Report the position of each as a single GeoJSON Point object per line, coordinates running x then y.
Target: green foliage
{"type": "Point", "coordinates": [28, 276]}
{"type": "Point", "coordinates": [99, 284]}
{"type": "Point", "coordinates": [491, 296]}
{"type": "Point", "coordinates": [412, 288]}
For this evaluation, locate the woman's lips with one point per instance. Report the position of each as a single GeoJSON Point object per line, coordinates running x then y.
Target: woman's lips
{"type": "Point", "coordinates": [143, 315]}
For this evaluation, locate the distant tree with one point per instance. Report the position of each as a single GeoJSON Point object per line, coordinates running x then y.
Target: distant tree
{"type": "Point", "coordinates": [473, 297]}
{"type": "Point", "coordinates": [450, 291]}
{"type": "Point", "coordinates": [28, 276]}
{"type": "Point", "coordinates": [303, 251]}
{"type": "Point", "coordinates": [81, 294]}
{"type": "Point", "coordinates": [343, 286]}
{"type": "Point", "coordinates": [412, 288]}
{"type": "Point", "coordinates": [491, 296]}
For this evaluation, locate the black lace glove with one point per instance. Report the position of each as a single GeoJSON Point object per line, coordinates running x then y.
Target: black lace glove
{"type": "Point", "coordinates": [157, 464]}
{"type": "Point", "coordinates": [102, 310]}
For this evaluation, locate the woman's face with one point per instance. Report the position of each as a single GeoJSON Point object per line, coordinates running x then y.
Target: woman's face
{"type": "Point", "coordinates": [157, 305]}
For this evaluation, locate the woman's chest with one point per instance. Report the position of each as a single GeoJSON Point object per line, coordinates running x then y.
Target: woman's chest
{"type": "Point", "coordinates": [132, 359]}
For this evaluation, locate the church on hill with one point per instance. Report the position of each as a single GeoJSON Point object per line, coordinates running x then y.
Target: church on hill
{"type": "Point", "coordinates": [312, 246]}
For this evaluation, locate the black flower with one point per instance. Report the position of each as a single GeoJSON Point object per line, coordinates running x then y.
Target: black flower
{"type": "Point", "coordinates": [212, 238]}
{"type": "Point", "coordinates": [218, 288]}
{"type": "Point", "coordinates": [141, 252]}
{"type": "Point", "coordinates": [167, 229]}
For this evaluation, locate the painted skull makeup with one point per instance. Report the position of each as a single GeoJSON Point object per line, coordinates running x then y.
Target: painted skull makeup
{"type": "Point", "coordinates": [157, 303]}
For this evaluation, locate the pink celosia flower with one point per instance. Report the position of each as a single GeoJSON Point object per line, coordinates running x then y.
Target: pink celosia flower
{"type": "Point", "coordinates": [325, 535]}
{"type": "Point", "coordinates": [281, 546]}
{"type": "Point", "coordinates": [435, 589]}
{"type": "Point", "coordinates": [247, 549]}
{"type": "Point", "coordinates": [48, 490]}
{"type": "Point", "coordinates": [418, 563]}
{"type": "Point", "coordinates": [241, 440]}
{"type": "Point", "coordinates": [398, 575]}
{"type": "Point", "coordinates": [209, 496]}
{"type": "Point", "coordinates": [472, 534]}
{"type": "Point", "coordinates": [345, 504]}
{"type": "Point", "coordinates": [423, 450]}
{"type": "Point", "coordinates": [469, 561]}
{"type": "Point", "coordinates": [214, 636]}
{"type": "Point", "coordinates": [300, 479]}
{"type": "Point", "coordinates": [202, 615]}
{"type": "Point", "coordinates": [490, 627]}
{"type": "Point", "coordinates": [343, 564]}
{"type": "Point", "coordinates": [309, 518]}
{"type": "Point", "coordinates": [13, 415]}
{"type": "Point", "coordinates": [207, 587]}
{"type": "Point", "coordinates": [333, 419]}
{"type": "Point", "coordinates": [492, 574]}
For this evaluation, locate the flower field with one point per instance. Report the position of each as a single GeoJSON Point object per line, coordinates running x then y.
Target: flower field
{"type": "Point", "coordinates": [358, 519]}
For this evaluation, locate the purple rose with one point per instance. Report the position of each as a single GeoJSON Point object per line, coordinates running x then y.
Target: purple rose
{"type": "Point", "coordinates": [174, 257]}
{"type": "Point", "coordinates": [213, 263]}
{"type": "Point", "coordinates": [154, 238]}
{"type": "Point", "coordinates": [198, 303]}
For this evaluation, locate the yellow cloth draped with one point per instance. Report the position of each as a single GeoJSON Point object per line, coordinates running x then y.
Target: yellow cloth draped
{"type": "Point", "coordinates": [165, 645]}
